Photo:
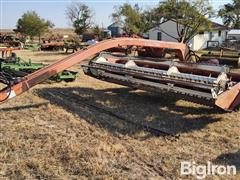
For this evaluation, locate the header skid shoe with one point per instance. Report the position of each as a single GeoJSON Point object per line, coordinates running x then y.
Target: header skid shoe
{"type": "Point", "coordinates": [229, 99]}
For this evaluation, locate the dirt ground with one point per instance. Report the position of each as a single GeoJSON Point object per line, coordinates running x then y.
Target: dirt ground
{"type": "Point", "coordinates": [56, 131]}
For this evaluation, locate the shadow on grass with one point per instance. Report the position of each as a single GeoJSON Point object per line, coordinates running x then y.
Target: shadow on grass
{"type": "Point", "coordinates": [16, 108]}
{"type": "Point", "coordinates": [229, 159]}
{"type": "Point", "coordinates": [50, 53]}
{"type": "Point", "coordinates": [156, 110]}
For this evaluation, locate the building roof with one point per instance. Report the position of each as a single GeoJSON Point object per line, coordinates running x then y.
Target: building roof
{"type": "Point", "coordinates": [234, 32]}
{"type": "Point", "coordinates": [116, 24]}
{"type": "Point", "coordinates": [215, 26]}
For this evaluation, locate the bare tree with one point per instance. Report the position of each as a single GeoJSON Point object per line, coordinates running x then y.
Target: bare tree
{"type": "Point", "coordinates": [80, 16]}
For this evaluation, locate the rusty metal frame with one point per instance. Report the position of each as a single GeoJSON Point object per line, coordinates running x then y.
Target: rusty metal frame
{"type": "Point", "coordinates": [48, 71]}
{"type": "Point", "coordinates": [228, 100]}
{"type": "Point", "coordinates": [7, 50]}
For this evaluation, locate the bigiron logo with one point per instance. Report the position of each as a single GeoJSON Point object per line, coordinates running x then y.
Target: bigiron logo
{"type": "Point", "coordinates": [202, 171]}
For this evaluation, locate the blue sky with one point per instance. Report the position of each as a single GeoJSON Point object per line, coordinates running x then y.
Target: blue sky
{"type": "Point", "coordinates": [54, 10]}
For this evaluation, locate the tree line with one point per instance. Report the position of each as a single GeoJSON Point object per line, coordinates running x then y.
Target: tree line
{"type": "Point", "coordinates": [191, 17]}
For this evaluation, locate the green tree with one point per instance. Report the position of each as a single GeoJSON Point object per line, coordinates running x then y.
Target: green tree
{"type": "Point", "coordinates": [80, 16]}
{"type": "Point", "coordinates": [32, 25]}
{"type": "Point", "coordinates": [132, 18]}
{"type": "Point", "coordinates": [97, 31]}
{"type": "Point", "coordinates": [191, 17]}
{"type": "Point", "coordinates": [230, 14]}
{"type": "Point", "coordinates": [149, 19]}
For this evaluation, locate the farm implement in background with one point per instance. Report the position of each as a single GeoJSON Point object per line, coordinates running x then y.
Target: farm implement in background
{"type": "Point", "coordinates": [6, 52]}
{"type": "Point", "coordinates": [61, 46]}
{"type": "Point", "coordinates": [224, 55]}
{"type": "Point", "coordinates": [17, 68]}
{"type": "Point", "coordinates": [31, 46]}
{"type": "Point", "coordinates": [210, 83]}
{"type": "Point", "coordinates": [9, 41]}
{"type": "Point", "coordinates": [52, 46]}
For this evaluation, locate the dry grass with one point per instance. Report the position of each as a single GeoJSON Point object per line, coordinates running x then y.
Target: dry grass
{"type": "Point", "coordinates": [49, 133]}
